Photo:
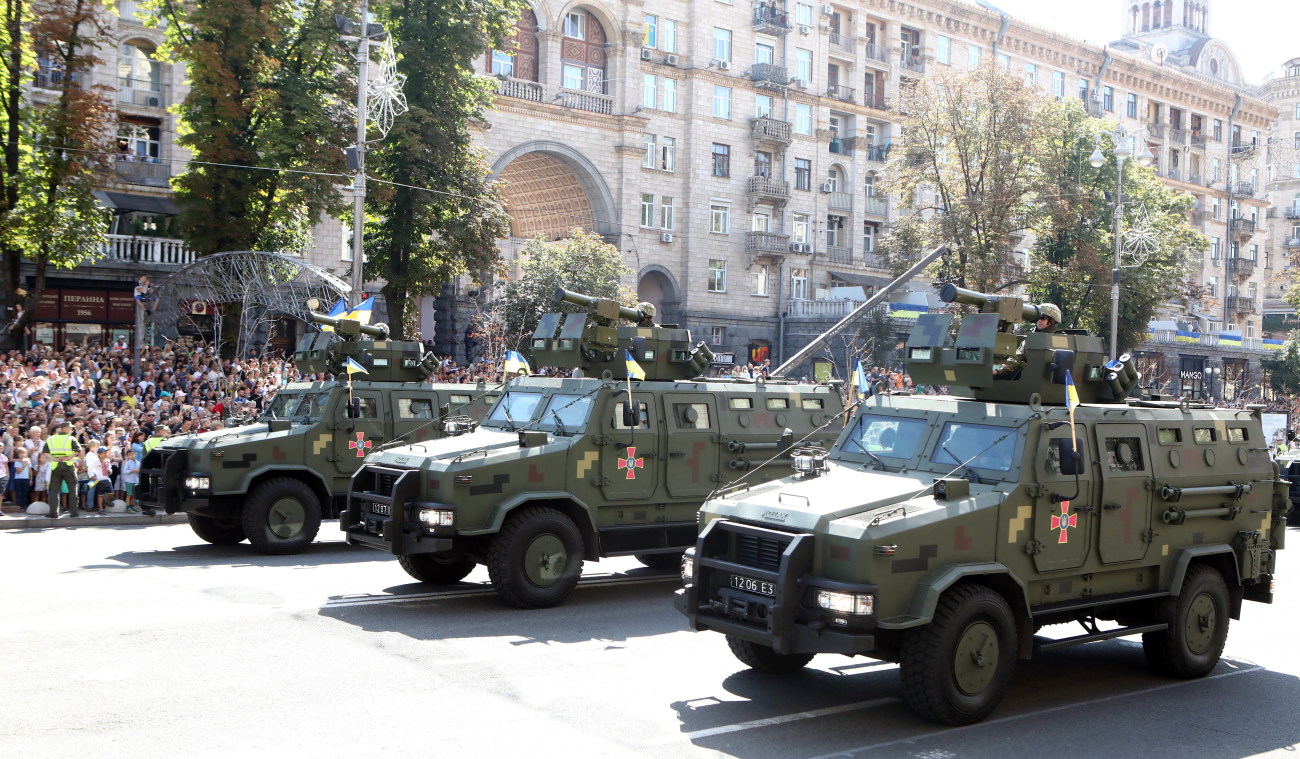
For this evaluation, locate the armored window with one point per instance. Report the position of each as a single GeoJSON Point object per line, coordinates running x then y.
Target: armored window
{"type": "Point", "coordinates": [458, 399]}
{"type": "Point", "coordinates": [742, 404]}
{"type": "Point", "coordinates": [888, 437]}
{"type": "Point", "coordinates": [1124, 454]}
{"type": "Point", "coordinates": [1204, 435]}
{"type": "Point", "coordinates": [415, 408]}
{"type": "Point", "coordinates": [811, 404]}
{"type": "Point", "coordinates": [1169, 435]}
{"type": "Point", "coordinates": [778, 404]}
{"type": "Point", "coordinates": [367, 407]}
{"type": "Point", "coordinates": [515, 407]}
{"type": "Point", "coordinates": [691, 416]}
{"type": "Point", "coordinates": [568, 413]}
{"type": "Point", "coordinates": [1237, 435]}
{"type": "Point", "coordinates": [976, 445]}
{"type": "Point", "coordinates": [617, 416]}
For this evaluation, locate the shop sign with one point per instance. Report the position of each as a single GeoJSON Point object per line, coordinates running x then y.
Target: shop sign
{"type": "Point", "coordinates": [724, 359]}
{"type": "Point", "coordinates": [121, 306]}
{"type": "Point", "coordinates": [83, 306]}
{"type": "Point", "coordinates": [48, 307]}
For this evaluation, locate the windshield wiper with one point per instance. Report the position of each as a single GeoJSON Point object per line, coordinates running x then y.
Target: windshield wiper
{"type": "Point", "coordinates": [559, 423]}
{"type": "Point", "coordinates": [873, 456]}
{"type": "Point", "coordinates": [975, 477]}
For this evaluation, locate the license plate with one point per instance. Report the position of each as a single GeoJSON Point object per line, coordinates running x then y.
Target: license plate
{"type": "Point", "coordinates": [750, 585]}
{"type": "Point", "coordinates": [382, 509]}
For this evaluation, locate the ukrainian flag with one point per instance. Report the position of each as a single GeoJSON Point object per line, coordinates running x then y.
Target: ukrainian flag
{"type": "Point", "coordinates": [1230, 340]}
{"type": "Point", "coordinates": [1071, 393]}
{"type": "Point", "coordinates": [1182, 336]}
{"type": "Point", "coordinates": [353, 367]}
{"type": "Point", "coordinates": [338, 310]}
{"type": "Point", "coordinates": [361, 312]}
{"type": "Point", "coordinates": [906, 310]}
{"type": "Point", "coordinates": [1273, 345]}
{"type": "Point", "coordinates": [515, 363]}
{"type": "Point", "coordinates": [634, 370]}
{"type": "Point", "coordinates": [859, 380]}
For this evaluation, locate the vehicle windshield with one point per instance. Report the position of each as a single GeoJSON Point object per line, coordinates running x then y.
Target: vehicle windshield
{"type": "Point", "coordinates": [283, 406]}
{"type": "Point", "coordinates": [567, 413]}
{"type": "Point", "coordinates": [514, 409]}
{"type": "Point", "coordinates": [981, 446]}
{"type": "Point", "coordinates": [888, 437]}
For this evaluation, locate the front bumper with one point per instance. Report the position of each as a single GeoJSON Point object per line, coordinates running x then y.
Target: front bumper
{"type": "Point", "coordinates": [377, 514]}
{"type": "Point", "coordinates": [784, 620]}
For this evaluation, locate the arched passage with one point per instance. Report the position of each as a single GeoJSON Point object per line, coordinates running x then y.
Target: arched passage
{"type": "Point", "coordinates": [657, 285]}
{"type": "Point", "coordinates": [550, 188]}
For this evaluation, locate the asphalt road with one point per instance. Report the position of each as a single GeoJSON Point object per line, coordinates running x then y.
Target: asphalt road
{"type": "Point", "coordinates": [142, 641]}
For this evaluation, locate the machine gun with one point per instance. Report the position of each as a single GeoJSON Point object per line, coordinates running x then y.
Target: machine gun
{"type": "Point", "coordinates": [594, 341]}
{"type": "Point", "coordinates": [968, 355]}
{"type": "Point", "coordinates": [368, 344]}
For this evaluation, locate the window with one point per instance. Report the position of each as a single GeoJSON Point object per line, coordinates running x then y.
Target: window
{"type": "Point", "coordinates": [758, 280]}
{"type": "Point", "coordinates": [1213, 282]}
{"type": "Point", "coordinates": [670, 95]}
{"type": "Point", "coordinates": [647, 210]}
{"type": "Point", "coordinates": [973, 55]}
{"type": "Point", "coordinates": [721, 102]}
{"type": "Point", "coordinates": [649, 91]}
{"type": "Point", "coordinates": [717, 335]}
{"type": "Point", "coordinates": [722, 44]}
{"type": "Point", "coordinates": [575, 25]}
{"type": "Point", "coordinates": [803, 14]}
{"type": "Point", "coordinates": [869, 234]}
{"type": "Point", "coordinates": [721, 160]}
{"type": "Point", "coordinates": [503, 63]}
{"type": "Point", "coordinates": [763, 164]}
{"type": "Point", "coordinates": [717, 275]}
{"type": "Point", "coordinates": [1004, 61]}
{"type": "Point", "coordinates": [668, 36]}
{"type": "Point", "coordinates": [572, 77]}
{"type": "Point", "coordinates": [802, 174]}
{"type": "Point", "coordinates": [1214, 249]}
{"type": "Point", "coordinates": [869, 183]}
{"type": "Point", "coordinates": [1253, 255]}
{"type": "Point", "coordinates": [803, 65]}
{"type": "Point", "coordinates": [833, 179]}
{"type": "Point", "coordinates": [1058, 84]}
{"type": "Point", "coordinates": [943, 50]}
{"type": "Point", "coordinates": [720, 218]}
{"type": "Point", "coordinates": [667, 212]}
{"type": "Point", "coordinates": [1216, 207]}
{"type": "Point", "coordinates": [1218, 127]}
{"type": "Point", "coordinates": [648, 161]}
{"type": "Point", "coordinates": [668, 154]}
{"type": "Point", "coordinates": [834, 230]}
{"type": "Point", "coordinates": [799, 284]}
{"type": "Point", "coordinates": [764, 53]}
{"type": "Point", "coordinates": [802, 225]}
{"type": "Point", "coordinates": [1124, 454]}
{"type": "Point", "coordinates": [617, 420]}
{"type": "Point", "coordinates": [651, 31]}
{"type": "Point", "coordinates": [691, 416]}
{"type": "Point", "coordinates": [802, 119]}
{"type": "Point", "coordinates": [1031, 74]}
{"type": "Point", "coordinates": [1131, 110]}
{"type": "Point", "coordinates": [761, 221]}
{"type": "Point", "coordinates": [978, 445]}
{"type": "Point", "coordinates": [1083, 89]}
{"type": "Point", "coordinates": [1108, 98]}
{"type": "Point", "coordinates": [763, 106]}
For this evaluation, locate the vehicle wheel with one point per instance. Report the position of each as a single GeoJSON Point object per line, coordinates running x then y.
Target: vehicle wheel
{"type": "Point", "coordinates": [957, 668]}
{"type": "Point", "coordinates": [1198, 626]}
{"type": "Point", "coordinates": [664, 561]}
{"type": "Point", "coordinates": [218, 532]}
{"type": "Point", "coordinates": [764, 659]}
{"type": "Point", "coordinates": [536, 559]}
{"type": "Point", "coordinates": [434, 569]}
{"type": "Point", "coordinates": [281, 516]}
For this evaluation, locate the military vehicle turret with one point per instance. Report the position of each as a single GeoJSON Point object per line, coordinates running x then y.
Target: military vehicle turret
{"type": "Point", "coordinates": [942, 532]}
{"type": "Point", "coordinates": [568, 469]}
{"type": "Point", "coordinates": [274, 480]}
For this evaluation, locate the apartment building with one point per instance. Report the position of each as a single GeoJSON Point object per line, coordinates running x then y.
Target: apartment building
{"type": "Point", "coordinates": [732, 151]}
{"type": "Point", "coordinates": [1283, 185]}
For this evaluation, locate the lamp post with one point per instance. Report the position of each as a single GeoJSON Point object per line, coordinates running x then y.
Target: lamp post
{"type": "Point", "coordinates": [1121, 136]}
{"type": "Point", "coordinates": [1215, 385]}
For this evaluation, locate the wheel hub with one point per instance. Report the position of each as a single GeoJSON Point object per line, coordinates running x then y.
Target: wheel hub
{"type": "Point", "coordinates": [975, 659]}
{"type": "Point", "coordinates": [545, 560]}
{"type": "Point", "coordinates": [286, 517]}
{"type": "Point", "coordinates": [1202, 619]}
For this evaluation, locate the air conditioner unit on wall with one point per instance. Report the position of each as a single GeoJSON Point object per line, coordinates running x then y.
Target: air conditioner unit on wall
{"type": "Point", "coordinates": [828, 10]}
{"type": "Point", "coordinates": [724, 65]}
{"type": "Point", "coordinates": [804, 29]}
{"type": "Point", "coordinates": [645, 53]}
{"type": "Point", "coordinates": [828, 187]}
{"type": "Point", "coordinates": [670, 59]}
{"type": "Point", "coordinates": [666, 237]}
{"type": "Point", "coordinates": [799, 247]}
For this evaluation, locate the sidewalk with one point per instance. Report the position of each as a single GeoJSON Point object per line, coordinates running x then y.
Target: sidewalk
{"type": "Point", "coordinates": [16, 521]}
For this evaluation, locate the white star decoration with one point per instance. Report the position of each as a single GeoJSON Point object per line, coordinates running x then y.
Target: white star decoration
{"type": "Point", "coordinates": [1140, 238]}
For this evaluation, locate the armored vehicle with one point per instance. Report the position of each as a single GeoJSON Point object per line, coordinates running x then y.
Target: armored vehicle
{"type": "Point", "coordinates": [273, 481]}
{"type": "Point", "coordinates": [943, 532]}
{"type": "Point", "coordinates": [564, 470]}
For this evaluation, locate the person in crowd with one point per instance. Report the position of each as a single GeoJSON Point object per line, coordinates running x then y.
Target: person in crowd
{"type": "Point", "coordinates": [41, 480]}
{"type": "Point", "coordinates": [130, 478]}
{"type": "Point", "coordinates": [22, 479]}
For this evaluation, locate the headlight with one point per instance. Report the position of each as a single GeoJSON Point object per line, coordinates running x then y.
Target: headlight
{"type": "Point", "coordinates": [437, 517]}
{"type": "Point", "coordinates": [846, 603]}
{"type": "Point", "coordinates": [197, 482]}
{"type": "Point", "coordinates": [688, 568]}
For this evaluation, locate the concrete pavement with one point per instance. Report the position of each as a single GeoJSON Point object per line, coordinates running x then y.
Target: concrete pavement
{"type": "Point", "coordinates": [20, 521]}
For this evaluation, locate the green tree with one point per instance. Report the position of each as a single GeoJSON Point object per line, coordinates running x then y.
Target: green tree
{"type": "Point", "coordinates": [1073, 251]}
{"type": "Point", "coordinates": [583, 263]}
{"type": "Point", "coordinates": [966, 169]}
{"type": "Point", "coordinates": [55, 145]}
{"type": "Point", "coordinates": [440, 216]}
{"type": "Point", "coordinates": [1284, 369]}
{"type": "Point", "coordinates": [268, 97]}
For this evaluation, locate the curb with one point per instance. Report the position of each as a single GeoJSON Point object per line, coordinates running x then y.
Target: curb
{"type": "Point", "coordinates": [24, 522]}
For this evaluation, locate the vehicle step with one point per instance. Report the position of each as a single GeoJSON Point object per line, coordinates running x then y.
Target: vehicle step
{"type": "Point", "coordinates": [1048, 645]}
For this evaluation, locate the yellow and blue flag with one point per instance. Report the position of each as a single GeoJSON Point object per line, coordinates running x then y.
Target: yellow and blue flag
{"type": "Point", "coordinates": [515, 363]}
{"type": "Point", "coordinates": [353, 367]}
{"type": "Point", "coordinates": [361, 312]}
{"type": "Point", "coordinates": [1071, 394]}
{"type": "Point", "coordinates": [634, 370]}
{"type": "Point", "coordinates": [859, 380]}
{"type": "Point", "coordinates": [338, 310]}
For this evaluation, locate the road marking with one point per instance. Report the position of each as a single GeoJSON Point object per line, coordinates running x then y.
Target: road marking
{"type": "Point", "coordinates": [769, 721]}
{"type": "Point", "coordinates": [478, 590]}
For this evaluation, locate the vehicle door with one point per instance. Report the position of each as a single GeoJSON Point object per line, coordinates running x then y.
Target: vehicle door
{"type": "Point", "coordinates": [630, 465]}
{"type": "Point", "coordinates": [1062, 527]}
{"type": "Point", "coordinates": [360, 426]}
{"type": "Point", "coordinates": [1125, 504]}
{"type": "Point", "coordinates": [693, 458]}
{"type": "Point", "coordinates": [415, 416]}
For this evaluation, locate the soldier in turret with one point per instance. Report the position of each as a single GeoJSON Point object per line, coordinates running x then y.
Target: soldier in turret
{"type": "Point", "coordinates": [647, 310]}
{"type": "Point", "coordinates": [1049, 316]}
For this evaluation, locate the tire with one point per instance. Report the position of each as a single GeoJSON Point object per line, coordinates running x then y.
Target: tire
{"type": "Point", "coordinates": [1198, 627]}
{"type": "Point", "coordinates": [957, 668]}
{"type": "Point", "coordinates": [435, 570]}
{"type": "Point", "coordinates": [764, 659]}
{"type": "Point", "coordinates": [663, 561]}
{"type": "Point", "coordinates": [218, 532]}
{"type": "Point", "coordinates": [536, 559]}
{"type": "Point", "coordinates": [281, 516]}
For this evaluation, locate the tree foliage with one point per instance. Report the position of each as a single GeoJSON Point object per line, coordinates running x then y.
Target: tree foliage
{"type": "Point", "coordinates": [583, 263]}
{"type": "Point", "coordinates": [269, 84]}
{"type": "Point", "coordinates": [439, 216]}
{"type": "Point", "coordinates": [1284, 369]}
{"type": "Point", "coordinates": [55, 145]}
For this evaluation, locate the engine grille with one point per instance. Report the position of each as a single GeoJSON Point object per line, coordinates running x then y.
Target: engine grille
{"type": "Point", "coordinates": [763, 553]}
{"type": "Point", "coordinates": [384, 484]}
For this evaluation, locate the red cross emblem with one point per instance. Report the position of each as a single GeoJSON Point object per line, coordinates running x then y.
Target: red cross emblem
{"type": "Point", "coordinates": [631, 463]}
{"type": "Point", "coordinates": [361, 445]}
{"type": "Point", "coordinates": [1064, 522]}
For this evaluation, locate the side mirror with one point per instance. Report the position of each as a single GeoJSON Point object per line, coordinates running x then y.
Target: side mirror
{"type": "Point", "coordinates": [1062, 362]}
{"type": "Point", "coordinates": [787, 441]}
{"type": "Point", "coordinates": [1067, 450]}
{"type": "Point", "coordinates": [630, 416]}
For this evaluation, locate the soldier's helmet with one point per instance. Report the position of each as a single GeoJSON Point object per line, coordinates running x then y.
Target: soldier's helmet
{"type": "Point", "coordinates": [1051, 311]}
{"type": "Point", "coordinates": [647, 309]}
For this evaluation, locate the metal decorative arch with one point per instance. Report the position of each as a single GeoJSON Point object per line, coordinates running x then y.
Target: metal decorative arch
{"type": "Point", "coordinates": [266, 285]}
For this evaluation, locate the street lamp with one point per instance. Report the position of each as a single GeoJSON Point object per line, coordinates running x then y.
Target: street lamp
{"type": "Point", "coordinates": [1215, 376]}
{"type": "Point", "coordinates": [1121, 136]}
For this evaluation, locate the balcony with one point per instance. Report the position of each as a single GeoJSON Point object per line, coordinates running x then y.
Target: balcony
{"type": "Point", "coordinates": [767, 243]}
{"type": "Point", "coordinates": [141, 92]}
{"type": "Point", "coordinates": [841, 145]}
{"type": "Point", "coordinates": [876, 53]}
{"type": "Point", "coordinates": [520, 88]}
{"type": "Point", "coordinates": [770, 19]}
{"type": "Point", "coordinates": [1178, 136]}
{"type": "Point", "coordinates": [1243, 189]}
{"type": "Point", "coordinates": [840, 92]}
{"type": "Point", "coordinates": [768, 189]}
{"type": "Point", "coordinates": [840, 201]}
{"type": "Point", "coordinates": [876, 205]}
{"type": "Point", "coordinates": [48, 78]}
{"type": "Point", "coordinates": [769, 76]}
{"type": "Point", "coordinates": [1241, 228]}
{"type": "Point", "coordinates": [877, 153]}
{"type": "Point", "coordinates": [149, 172]}
{"type": "Point", "coordinates": [1156, 130]}
{"type": "Point", "coordinates": [1292, 243]}
{"type": "Point", "coordinates": [1173, 173]}
{"type": "Point", "coordinates": [582, 100]}
{"type": "Point", "coordinates": [820, 309]}
{"type": "Point", "coordinates": [1240, 148]}
{"type": "Point", "coordinates": [838, 255]}
{"type": "Point", "coordinates": [770, 130]}
{"type": "Point", "coordinates": [1195, 179]}
{"type": "Point", "coordinates": [1292, 213]}
{"type": "Point", "coordinates": [1241, 266]}
{"type": "Point", "coordinates": [1239, 304]}
{"type": "Point", "coordinates": [841, 44]}
{"type": "Point", "coordinates": [146, 250]}
{"type": "Point", "coordinates": [1198, 140]}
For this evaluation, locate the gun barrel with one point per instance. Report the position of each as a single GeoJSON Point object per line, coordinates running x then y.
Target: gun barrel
{"type": "Point", "coordinates": [349, 327]}
{"type": "Point", "coordinates": [950, 293]}
{"type": "Point", "coordinates": [586, 301]}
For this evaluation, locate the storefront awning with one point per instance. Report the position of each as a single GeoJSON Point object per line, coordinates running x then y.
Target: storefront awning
{"type": "Point", "coordinates": [861, 280]}
{"type": "Point", "coordinates": [1199, 315]}
{"type": "Point", "coordinates": [122, 202]}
